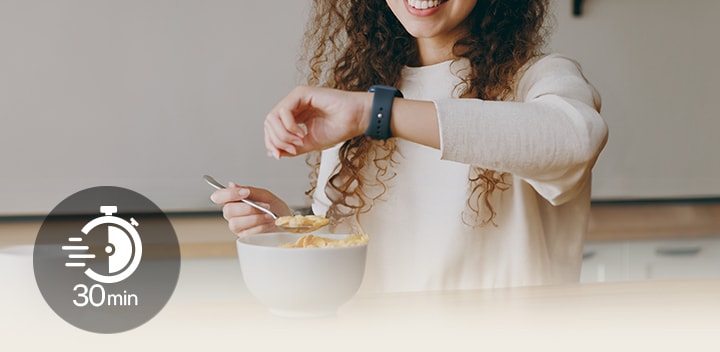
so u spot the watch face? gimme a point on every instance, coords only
(106, 259)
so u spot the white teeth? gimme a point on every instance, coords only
(423, 4)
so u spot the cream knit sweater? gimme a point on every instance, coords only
(547, 139)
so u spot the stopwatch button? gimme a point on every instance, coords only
(108, 209)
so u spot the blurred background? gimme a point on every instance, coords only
(150, 95)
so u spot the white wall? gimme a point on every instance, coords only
(144, 94)
(655, 63)
(151, 94)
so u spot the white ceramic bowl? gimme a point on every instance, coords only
(300, 282)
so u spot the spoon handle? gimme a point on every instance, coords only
(212, 182)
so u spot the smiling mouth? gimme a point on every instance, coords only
(425, 4)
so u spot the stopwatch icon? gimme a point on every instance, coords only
(124, 247)
(97, 270)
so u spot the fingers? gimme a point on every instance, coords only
(293, 128)
(251, 224)
(273, 143)
(238, 209)
(283, 135)
(234, 193)
(330, 116)
(244, 219)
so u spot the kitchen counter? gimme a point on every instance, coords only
(653, 220)
(207, 235)
(212, 310)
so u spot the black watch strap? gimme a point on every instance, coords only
(379, 127)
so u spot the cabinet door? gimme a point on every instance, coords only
(674, 259)
(604, 261)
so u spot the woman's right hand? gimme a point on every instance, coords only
(243, 219)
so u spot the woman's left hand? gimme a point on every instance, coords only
(329, 116)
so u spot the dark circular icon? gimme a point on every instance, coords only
(106, 259)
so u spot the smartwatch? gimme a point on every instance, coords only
(379, 127)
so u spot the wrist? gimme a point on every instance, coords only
(364, 121)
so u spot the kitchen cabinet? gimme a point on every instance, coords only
(651, 259)
(667, 259)
(604, 261)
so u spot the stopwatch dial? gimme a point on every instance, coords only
(119, 249)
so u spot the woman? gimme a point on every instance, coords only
(486, 179)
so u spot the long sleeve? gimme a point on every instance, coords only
(550, 136)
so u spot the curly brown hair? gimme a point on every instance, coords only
(354, 44)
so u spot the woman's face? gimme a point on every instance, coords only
(433, 19)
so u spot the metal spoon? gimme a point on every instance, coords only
(298, 229)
